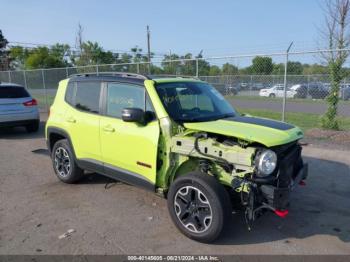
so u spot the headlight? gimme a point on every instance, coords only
(266, 162)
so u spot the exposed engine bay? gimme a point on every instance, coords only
(261, 177)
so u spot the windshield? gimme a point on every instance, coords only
(193, 102)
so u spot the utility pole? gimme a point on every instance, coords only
(149, 49)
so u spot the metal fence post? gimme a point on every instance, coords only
(97, 69)
(67, 73)
(25, 79)
(285, 84)
(10, 80)
(251, 85)
(138, 68)
(197, 68)
(44, 86)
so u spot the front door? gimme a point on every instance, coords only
(129, 150)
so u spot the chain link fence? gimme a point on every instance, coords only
(257, 86)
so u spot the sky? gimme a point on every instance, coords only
(216, 27)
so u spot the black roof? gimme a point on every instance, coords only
(110, 76)
(117, 76)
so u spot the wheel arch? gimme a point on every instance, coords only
(55, 134)
(188, 165)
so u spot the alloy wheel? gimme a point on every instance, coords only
(193, 209)
(62, 162)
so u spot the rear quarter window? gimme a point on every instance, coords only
(70, 93)
(13, 92)
(87, 97)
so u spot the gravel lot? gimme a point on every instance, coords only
(35, 208)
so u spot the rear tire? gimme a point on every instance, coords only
(199, 206)
(272, 95)
(32, 127)
(64, 164)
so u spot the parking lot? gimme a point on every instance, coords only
(114, 218)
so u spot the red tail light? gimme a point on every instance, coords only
(281, 213)
(32, 102)
(302, 183)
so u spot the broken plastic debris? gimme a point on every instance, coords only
(150, 218)
(67, 234)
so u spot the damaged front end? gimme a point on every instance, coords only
(261, 178)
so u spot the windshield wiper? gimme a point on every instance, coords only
(226, 116)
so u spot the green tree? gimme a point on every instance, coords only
(40, 57)
(92, 54)
(315, 69)
(337, 35)
(188, 67)
(4, 61)
(3, 43)
(262, 65)
(18, 56)
(214, 70)
(203, 65)
(229, 69)
(171, 68)
(293, 68)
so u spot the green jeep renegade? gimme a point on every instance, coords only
(179, 138)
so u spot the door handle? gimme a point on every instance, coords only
(108, 129)
(71, 120)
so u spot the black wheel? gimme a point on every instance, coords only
(32, 127)
(64, 163)
(199, 206)
(272, 95)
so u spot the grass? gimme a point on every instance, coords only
(305, 121)
(280, 99)
(42, 101)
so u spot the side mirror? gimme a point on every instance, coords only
(135, 115)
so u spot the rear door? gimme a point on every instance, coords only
(129, 150)
(82, 120)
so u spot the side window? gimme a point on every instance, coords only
(70, 91)
(88, 96)
(120, 96)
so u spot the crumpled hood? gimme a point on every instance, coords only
(261, 130)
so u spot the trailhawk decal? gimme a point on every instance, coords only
(261, 122)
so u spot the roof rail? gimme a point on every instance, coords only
(173, 76)
(119, 74)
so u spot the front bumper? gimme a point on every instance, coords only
(278, 197)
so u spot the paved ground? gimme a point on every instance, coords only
(35, 208)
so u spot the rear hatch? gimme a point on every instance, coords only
(13, 99)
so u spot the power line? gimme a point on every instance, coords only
(29, 45)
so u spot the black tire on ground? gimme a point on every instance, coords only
(199, 206)
(272, 95)
(64, 163)
(32, 127)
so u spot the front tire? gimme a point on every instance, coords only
(272, 95)
(199, 206)
(64, 163)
